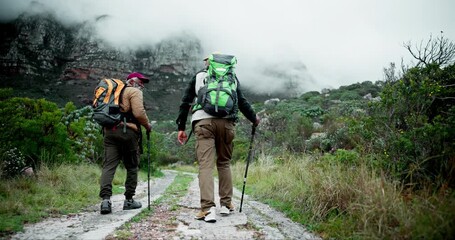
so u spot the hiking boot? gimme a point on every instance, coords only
(226, 210)
(131, 204)
(208, 216)
(106, 206)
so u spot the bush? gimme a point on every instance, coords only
(12, 163)
(6, 93)
(417, 132)
(84, 133)
(34, 126)
(44, 133)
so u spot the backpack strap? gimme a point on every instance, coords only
(118, 91)
(127, 116)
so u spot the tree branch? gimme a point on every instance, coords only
(438, 51)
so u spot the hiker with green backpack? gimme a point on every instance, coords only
(214, 97)
(119, 109)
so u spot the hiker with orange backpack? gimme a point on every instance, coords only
(121, 113)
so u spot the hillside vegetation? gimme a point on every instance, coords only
(368, 160)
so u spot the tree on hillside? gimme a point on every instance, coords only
(439, 51)
(420, 114)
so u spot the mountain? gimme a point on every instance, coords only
(43, 58)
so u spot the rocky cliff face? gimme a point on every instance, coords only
(41, 57)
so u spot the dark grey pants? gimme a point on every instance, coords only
(120, 146)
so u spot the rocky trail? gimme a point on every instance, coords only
(256, 221)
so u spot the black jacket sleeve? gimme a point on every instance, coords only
(244, 106)
(185, 105)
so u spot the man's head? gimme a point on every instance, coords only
(137, 80)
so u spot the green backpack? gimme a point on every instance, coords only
(218, 96)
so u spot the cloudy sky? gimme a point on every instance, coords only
(335, 42)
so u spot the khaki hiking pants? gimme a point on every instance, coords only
(214, 145)
(120, 146)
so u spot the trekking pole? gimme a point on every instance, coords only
(250, 155)
(148, 168)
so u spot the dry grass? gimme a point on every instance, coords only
(347, 201)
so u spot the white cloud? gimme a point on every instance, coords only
(339, 42)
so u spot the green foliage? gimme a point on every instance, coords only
(158, 151)
(417, 126)
(313, 98)
(6, 93)
(346, 157)
(34, 126)
(241, 147)
(165, 150)
(84, 133)
(299, 107)
(53, 191)
(351, 108)
(355, 91)
(289, 130)
(12, 163)
(42, 132)
(349, 95)
(290, 123)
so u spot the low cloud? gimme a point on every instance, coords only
(312, 43)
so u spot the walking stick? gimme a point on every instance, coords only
(250, 155)
(148, 168)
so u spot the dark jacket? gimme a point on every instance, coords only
(190, 94)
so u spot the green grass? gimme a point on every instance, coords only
(53, 191)
(177, 189)
(346, 202)
(185, 168)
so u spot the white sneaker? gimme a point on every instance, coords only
(224, 210)
(211, 217)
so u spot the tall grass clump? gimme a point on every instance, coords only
(343, 200)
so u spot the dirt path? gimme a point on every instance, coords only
(257, 220)
(89, 224)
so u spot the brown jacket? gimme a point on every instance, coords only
(133, 99)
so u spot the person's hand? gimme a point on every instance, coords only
(148, 128)
(258, 120)
(182, 137)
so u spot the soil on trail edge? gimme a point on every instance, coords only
(256, 221)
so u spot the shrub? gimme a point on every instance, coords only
(417, 131)
(12, 163)
(84, 133)
(6, 93)
(34, 126)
